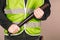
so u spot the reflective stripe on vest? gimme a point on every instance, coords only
(32, 24)
(14, 11)
(17, 11)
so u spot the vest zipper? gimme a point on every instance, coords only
(25, 14)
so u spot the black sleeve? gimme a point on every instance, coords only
(4, 21)
(46, 10)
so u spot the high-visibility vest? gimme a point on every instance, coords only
(16, 11)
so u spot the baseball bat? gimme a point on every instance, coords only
(30, 17)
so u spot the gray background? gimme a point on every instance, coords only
(50, 27)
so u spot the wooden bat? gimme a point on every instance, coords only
(30, 17)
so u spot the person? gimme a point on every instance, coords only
(12, 12)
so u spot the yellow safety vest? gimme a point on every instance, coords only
(16, 11)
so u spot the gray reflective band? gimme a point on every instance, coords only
(14, 11)
(29, 10)
(33, 24)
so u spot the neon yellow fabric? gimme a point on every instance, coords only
(33, 4)
(19, 4)
(16, 17)
(33, 31)
(14, 4)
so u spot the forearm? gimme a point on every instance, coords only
(46, 11)
(4, 21)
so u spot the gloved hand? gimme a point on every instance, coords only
(38, 13)
(13, 29)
